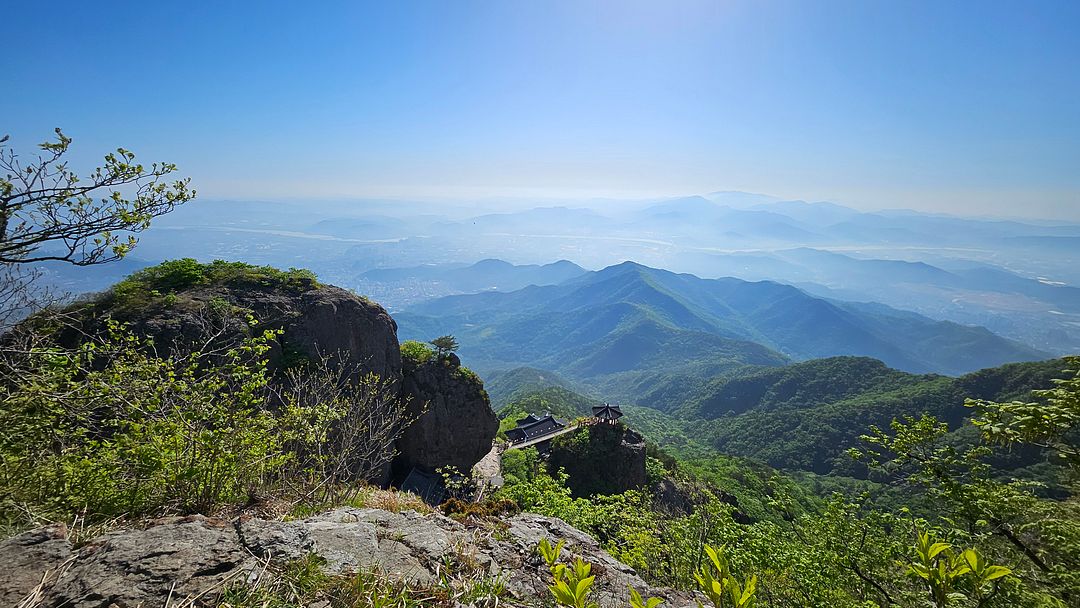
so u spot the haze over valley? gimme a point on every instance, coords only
(1016, 278)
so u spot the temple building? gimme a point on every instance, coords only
(532, 426)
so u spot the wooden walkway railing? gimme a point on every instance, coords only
(542, 438)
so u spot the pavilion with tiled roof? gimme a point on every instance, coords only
(607, 413)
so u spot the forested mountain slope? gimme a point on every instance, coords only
(805, 415)
(631, 318)
(801, 416)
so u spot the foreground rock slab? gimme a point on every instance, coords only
(192, 559)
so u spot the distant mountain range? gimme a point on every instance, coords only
(628, 321)
(396, 287)
(1017, 278)
(1041, 313)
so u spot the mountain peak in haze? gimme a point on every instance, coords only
(621, 312)
(739, 200)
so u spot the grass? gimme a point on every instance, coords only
(303, 582)
(416, 352)
(392, 500)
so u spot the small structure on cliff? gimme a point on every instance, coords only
(532, 427)
(607, 413)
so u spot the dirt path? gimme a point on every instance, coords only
(489, 469)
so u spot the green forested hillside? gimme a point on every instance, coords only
(826, 540)
(557, 400)
(804, 416)
(631, 319)
(809, 382)
(801, 416)
(504, 385)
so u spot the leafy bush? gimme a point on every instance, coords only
(654, 470)
(570, 586)
(158, 283)
(415, 352)
(520, 466)
(717, 582)
(468, 375)
(111, 429)
(172, 275)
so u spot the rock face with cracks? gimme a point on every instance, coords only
(316, 321)
(454, 424)
(600, 459)
(195, 558)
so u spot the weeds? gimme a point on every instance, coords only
(302, 582)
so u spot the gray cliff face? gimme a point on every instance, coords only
(317, 321)
(29, 559)
(600, 459)
(188, 557)
(456, 424)
(332, 320)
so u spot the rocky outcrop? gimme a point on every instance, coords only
(316, 320)
(331, 320)
(199, 557)
(600, 459)
(455, 424)
(671, 499)
(678, 498)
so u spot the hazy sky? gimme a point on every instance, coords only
(948, 106)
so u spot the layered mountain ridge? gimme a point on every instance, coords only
(632, 318)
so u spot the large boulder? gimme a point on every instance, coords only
(184, 558)
(454, 424)
(31, 561)
(331, 320)
(316, 320)
(320, 321)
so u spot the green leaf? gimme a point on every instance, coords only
(583, 586)
(936, 549)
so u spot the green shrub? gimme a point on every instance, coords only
(416, 352)
(520, 466)
(111, 429)
(160, 283)
(173, 275)
(469, 375)
(654, 470)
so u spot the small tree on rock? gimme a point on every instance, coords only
(48, 212)
(444, 345)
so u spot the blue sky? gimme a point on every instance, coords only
(958, 107)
